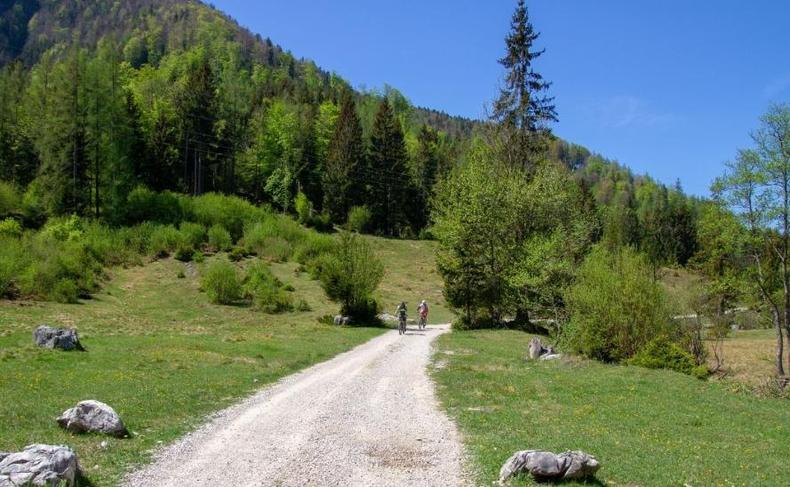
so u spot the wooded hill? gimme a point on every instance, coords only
(99, 97)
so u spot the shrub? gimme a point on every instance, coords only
(237, 254)
(302, 306)
(63, 229)
(231, 212)
(13, 259)
(349, 276)
(143, 205)
(304, 208)
(65, 291)
(218, 238)
(10, 201)
(194, 234)
(181, 274)
(661, 353)
(313, 246)
(198, 257)
(276, 231)
(265, 291)
(10, 228)
(221, 282)
(184, 252)
(359, 218)
(616, 306)
(164, 240)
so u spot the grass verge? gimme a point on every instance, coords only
(159, 353)
(647, 427)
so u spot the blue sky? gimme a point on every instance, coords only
(670, 88)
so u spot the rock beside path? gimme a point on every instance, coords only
(57, 338)
(39, 465)
(93, 417)
(544, 465)
(539, 352)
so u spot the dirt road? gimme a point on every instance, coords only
(366, 417)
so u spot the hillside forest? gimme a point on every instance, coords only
(120, 114)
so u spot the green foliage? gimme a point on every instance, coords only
(616, 307)
(184, 252)
(194, 233)
(65, 291)
(164, 240)
(221, 282)
(231, 212)
(345, 169)
(359, 218)
(13, 259)
(219, 239)
(303, 207)
(143, 205)
(10, 200)
(10, 228)
(265, 291)
(661, 353)
(391, 184)
(350, 275)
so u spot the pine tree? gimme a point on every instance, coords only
(426, 166)
(344, 168)
(523, 109)
(389, 178)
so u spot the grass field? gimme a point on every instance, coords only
(164, 357)
(411, 276)
(159, 353)
(647, 427)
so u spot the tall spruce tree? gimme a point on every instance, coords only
(389, 177)
(523, 109)
(344, 169)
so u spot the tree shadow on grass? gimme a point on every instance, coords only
(593, 481)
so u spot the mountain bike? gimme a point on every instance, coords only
(402, 326)
(423, 321)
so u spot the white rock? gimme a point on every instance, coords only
(92, 417)
(38, 465)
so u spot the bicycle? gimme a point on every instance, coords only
(423, 322)
(402, 326)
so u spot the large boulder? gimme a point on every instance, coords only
(59, 338)
(39, 465)
(93, 417)
(544, 465)
(539, 352)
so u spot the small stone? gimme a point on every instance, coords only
(103, 444)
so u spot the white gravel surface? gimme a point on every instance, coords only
(367, 417)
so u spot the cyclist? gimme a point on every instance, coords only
(423, 310)
(401, 314)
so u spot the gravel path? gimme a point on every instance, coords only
(367, 417)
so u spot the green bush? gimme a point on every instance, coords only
(13, 259)
(231, 212)
(303, 306)
(237, 254)
(275, 237)
(661, 353)
(63, 229)
(221, 282)
(198, 257)
(615, 305)
(350, 274)
(10, 228)
(65, 291)
(194, 233)
(359, 218)
(303, 207)
(265, 291)
(184, 252)
(219, 239)
(144, 205)
(165, 240)
(10, 200)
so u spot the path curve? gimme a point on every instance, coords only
(366, 417)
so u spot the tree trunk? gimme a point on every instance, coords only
(779, 343)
